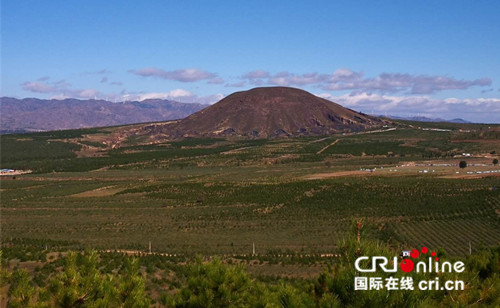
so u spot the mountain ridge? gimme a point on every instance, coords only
(427, 119)
(33, 114)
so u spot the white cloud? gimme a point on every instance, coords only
(179, 95)
(236, 84)
(216, 80)
(474, 109)
(62, 90)
(38, 86)
(209, 99)
(59, 89)
(346, 79)
(99, 72)
(87, 93)
(256, 74)
(59, 97)
(182, 75)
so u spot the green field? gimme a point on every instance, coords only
(215, 196)
(296, 197)
(208, 213)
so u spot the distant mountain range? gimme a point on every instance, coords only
(31, 114)
(426, 119)
(260, 112)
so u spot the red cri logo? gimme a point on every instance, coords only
(407, 265)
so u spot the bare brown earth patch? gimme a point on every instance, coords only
(320, 176)
(477, 140)
(99, 192)
(412, 142)
(470, 176)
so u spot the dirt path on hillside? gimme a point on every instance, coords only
(331, 144)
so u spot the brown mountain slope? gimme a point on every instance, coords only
(272, 112)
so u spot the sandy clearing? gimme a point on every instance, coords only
(99, 192)
(319, 176)
(236, 150)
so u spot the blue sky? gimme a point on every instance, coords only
(434, 58)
